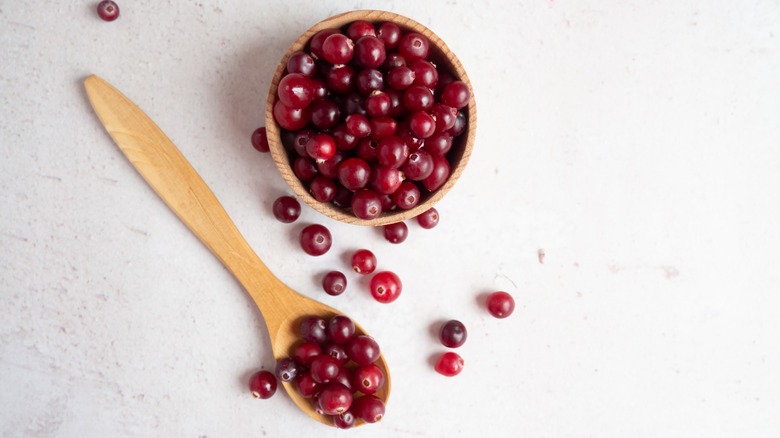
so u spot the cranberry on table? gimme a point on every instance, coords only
(500, 304)
(385, 287)
(449, 364)
(262, 384)
(260, 140)
(108, 10)
(429, 218)
(453, 334)
(368, 408)
(334, 283)
(363, 350)
(315, 240)
(363, 261)
(395, 233)
(286, 209)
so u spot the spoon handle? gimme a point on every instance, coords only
(175, 181)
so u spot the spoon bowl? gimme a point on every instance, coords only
(177, 183)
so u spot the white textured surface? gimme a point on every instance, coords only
(635, 142)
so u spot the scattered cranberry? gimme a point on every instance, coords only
(363, 261)
(453, 334)
(334, 283)
(108, 10)
(395, 233)
(363, 350)
(500, 304)
(385, 287)
(260, 140)
(286, 209)
(262, 384)
(315, 240)
(429, 218)
(368, 408)
(449, 364)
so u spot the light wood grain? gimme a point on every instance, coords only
(458, 156)
(175, 181)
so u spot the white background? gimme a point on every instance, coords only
(635, 142)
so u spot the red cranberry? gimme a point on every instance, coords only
(453, 334)
(378, 104)
(343, 197)
(396, 102)
(295, 90)
(363, 350)
(366, 149)
(345, 374)
(382, 127)
(287, 369)
(315, 44)
(344, 421)
(341, 329)
(449, 364)
(344, 140)
(305, 353)
(341, 79)
(360, 28)
(301, 62)
(369, 408)
(368, 379)
(445, 116)
(456, 94)
(320, 89)
(385, 180)
(108, 10)
(440, 174)
(324, 368)
(395, 233)
(406, 196)
(324, 114)
(260, 140)
(390, 33)
(291, 119)
(363, 261)
(314, 329)
(392, 151)
(304, 168)
(429, 218)
(387, 203)
(338, 49)
(425, 73)
(299, 141)
(286, 209)
(459, 126)
(329, 167)
(418, 166)
(322, 188)
(334, 283)
(351, 103)
(422, 124)
(354, 173)
(358, 125)
(439, 143)
(369, 80)
(500, 304)
(418, 98)
(338, 352)
(262, 384)
(414, 46)
(307, 386)
(400, 78)
(385, 287)
(321, 147)
(334, 399)
(366, 204)
(393, 60)
(369, 52)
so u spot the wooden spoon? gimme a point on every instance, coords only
(170, 175)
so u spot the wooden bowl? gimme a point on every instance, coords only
(458, 156)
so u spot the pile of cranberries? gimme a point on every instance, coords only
(368, 118)
(336, 369)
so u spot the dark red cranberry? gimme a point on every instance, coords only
(449, 364)
(445, 78)
(429, 218)
(291, 119)
(351, 103)
(378, 104)
(363, 350)
(400, 78)
(338, 49)
(382, 127)
(341, 329)
(108, 10)
(368, 379)
(358, 125)
(329, 167)
(418, 166)
(345, 374)
(445, 116)
(414, 46)
(390, 33)
(360, 28)
(459, 126)
(438, 144)
(299, 141)
(366, 204)
(406, 196)
(385, 287)
(307, 387)
(262, 384)
(324, 368)
(287, 369)
(425, 73)
(260, 140)
(334, 283)
(387, 203)
(456, 94)
(418, 98)
(322, 188)
(344, 140)
(500, 304)
(368, 80)
(304, 168)
(301, 62)
(336, 351)
(334, 399)
(315, 44)
(319, 88)
(385, 180)
(314, 329)
(369, 408)
(363, 261)
(321, 147)
(453, 334)
(393, 60)
(440, 174)
(343, 197)
(397, 108)
(295, 90)
(392, 151)
(354, 173)
(366, 149)
(395, 233)
(422, 124)
(286, 209)
(370, 52)
(315, 240)
(345, 420)
(341, 79)
(305, 352)
(324, 114)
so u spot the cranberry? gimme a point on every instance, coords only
(453, 334)
(395, 233)
(418, 166)
(456, 94)
(368, 379)
(314, 329)
(324, 114)
(334, 283)
(299, 141)
(357, 125)
(262, 384)
(369, 79)
(386, 180)
(382, 127)
(425, 73)
(459, 126)
(406, 196)
(500, 304)
(440, 174)
(315, 44)
(363, 350)
(286, 209)
(345, 374)
(306, 385)
(366, 204)
(363, 261)
(392, 151)
(338, 49)
(334, 399)
(390, 33)
(287, 369)
(319, 88)
(378, 104)
(329, 167)
(370, 52)
(369, 408)
(345, 420)
(418, 98)
(439, 143)
(295, 90)
(260, 140)
(344, 140)
(321, 147)
(421, 124)
(366, 149)
(108, 10)
(351, 103)
(414, 46)
(400, 78)
(360, 28)
(343, 197)
(291, 119)
(449, 364)
(304, 168)
(445, 116)
(324, 368)
(341, 79)
(301, 62)
(322, 188)
(387, 203)
(393, 60)
(429, 218)
(385, 287)
(354, 173)
(396, 102)
(305, 352)
(341, 329)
